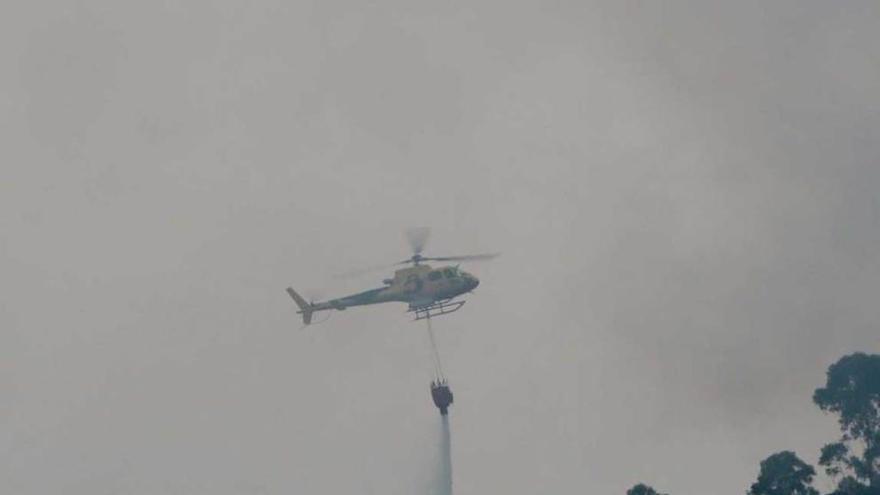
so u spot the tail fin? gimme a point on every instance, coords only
(304, 308)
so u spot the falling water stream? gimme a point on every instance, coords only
(442, 484)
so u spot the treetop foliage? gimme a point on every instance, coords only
(784, 473)
(642, 489)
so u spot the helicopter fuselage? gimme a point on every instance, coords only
(419, 286)
(428, 291)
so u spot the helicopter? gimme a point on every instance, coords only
(429, 291)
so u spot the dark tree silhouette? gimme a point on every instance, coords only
(850, 486)
(642, 489)
(852, 391)
(783, 473)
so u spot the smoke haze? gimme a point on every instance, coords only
(684, 193)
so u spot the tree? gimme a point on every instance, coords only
(850, 486)
(642, 489)
(783, 473)
(852, 391)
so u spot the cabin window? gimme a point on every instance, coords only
(450, 273)
(434, 276)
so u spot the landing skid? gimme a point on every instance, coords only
(437, 308)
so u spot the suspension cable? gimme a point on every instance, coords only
(438, 368)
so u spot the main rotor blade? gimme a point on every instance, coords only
(418, 238)
(469, 257)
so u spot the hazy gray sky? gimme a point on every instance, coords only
(685, 194)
